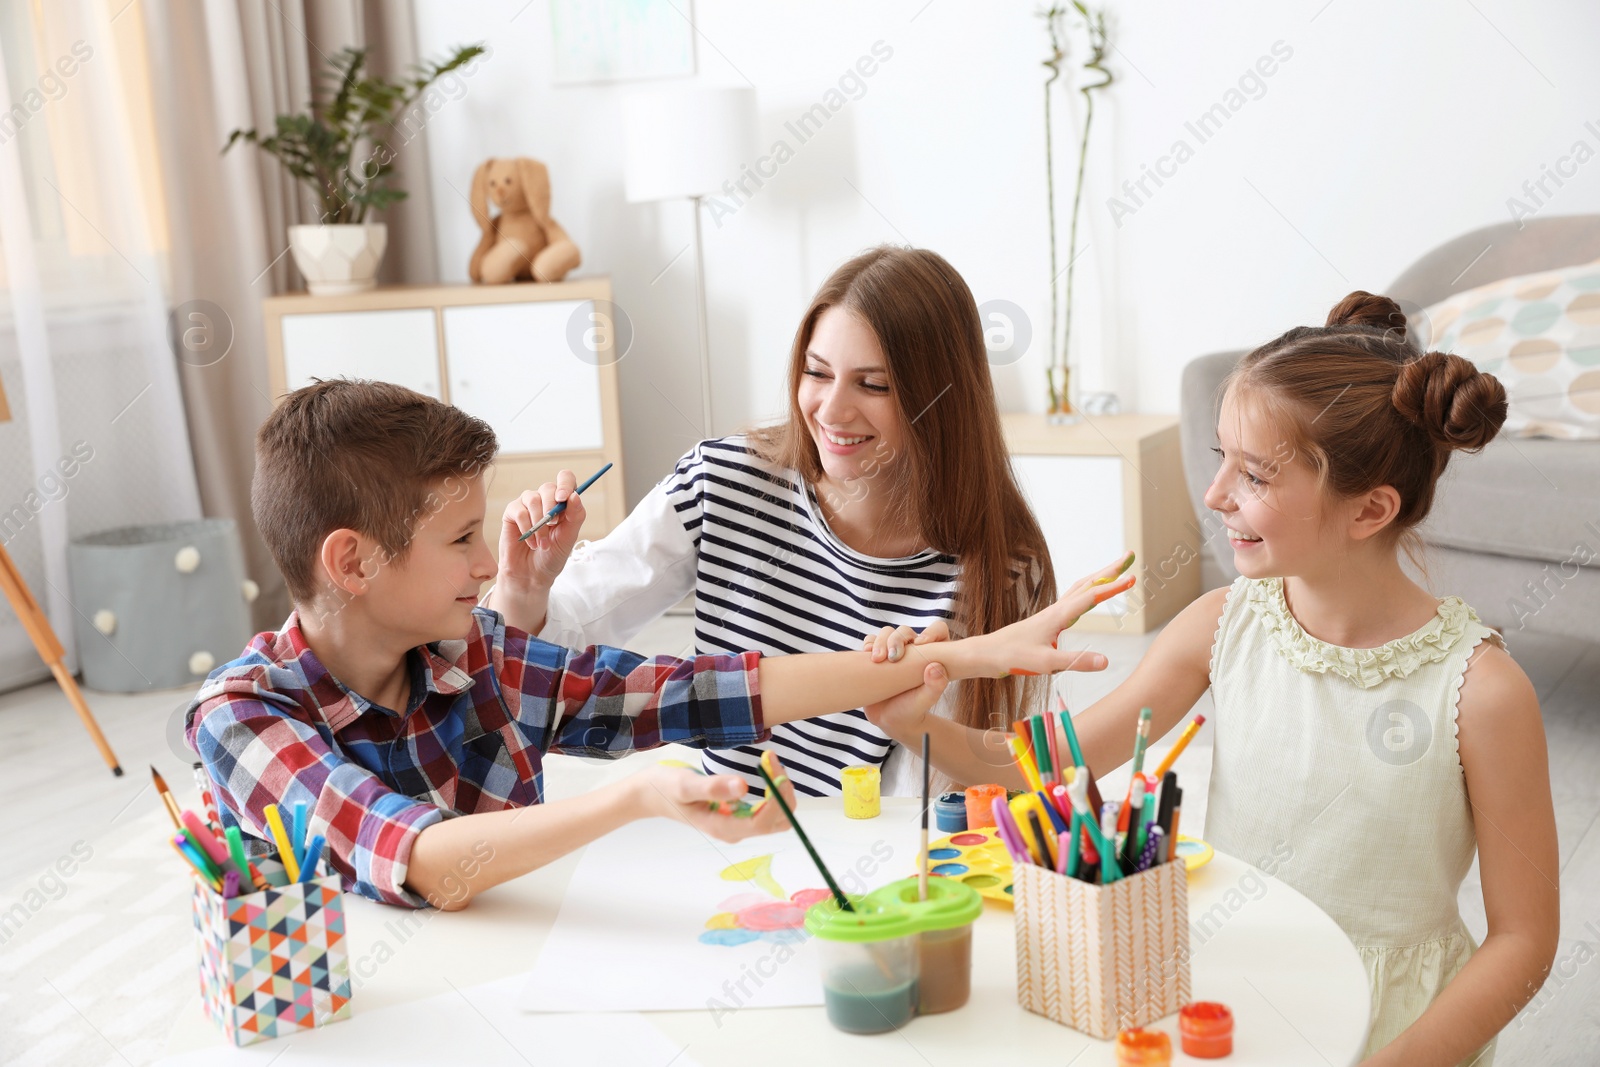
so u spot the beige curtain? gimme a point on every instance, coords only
(231, 64)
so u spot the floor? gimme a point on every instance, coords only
(95, 960)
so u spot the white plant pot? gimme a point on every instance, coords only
(340, 258)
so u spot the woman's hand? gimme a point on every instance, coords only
(890, 642)
(534, 564)
(683, 794)
(1029, 646)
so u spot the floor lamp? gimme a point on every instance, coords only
(685, 142)
(44, 637)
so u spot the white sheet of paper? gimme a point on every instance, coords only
(479, 1025)
(628, 934)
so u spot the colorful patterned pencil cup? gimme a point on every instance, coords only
(1102, 958)
(273, 962)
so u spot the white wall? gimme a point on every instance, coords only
(1388, 129)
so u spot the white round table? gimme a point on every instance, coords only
(1292, 979)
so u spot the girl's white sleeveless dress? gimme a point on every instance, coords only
(1345, 759)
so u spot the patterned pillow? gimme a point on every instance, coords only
(1540, 335)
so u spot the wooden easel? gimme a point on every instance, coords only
(44, 637)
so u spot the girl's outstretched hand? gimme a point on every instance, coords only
(1029, 646)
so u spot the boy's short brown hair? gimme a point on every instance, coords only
(359, 455)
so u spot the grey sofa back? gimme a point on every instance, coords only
(1473, 259)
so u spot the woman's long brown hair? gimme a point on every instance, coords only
(954, 484)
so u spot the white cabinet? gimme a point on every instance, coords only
(399, 346)
(511, 365)
(508, 354)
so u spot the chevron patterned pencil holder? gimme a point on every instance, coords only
(1102, 958)
(273, 962)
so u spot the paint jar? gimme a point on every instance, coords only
(1206, 1028)
(950, 812)
(869, 964)
(1143, 1048)
(980, 805)
(860, 787)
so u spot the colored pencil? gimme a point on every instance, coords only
(1179, 745)
(1141, 740)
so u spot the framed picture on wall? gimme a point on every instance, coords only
(598, 41)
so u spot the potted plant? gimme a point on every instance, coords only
(340, 150)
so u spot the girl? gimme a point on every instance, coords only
(885, 497)
(1370, 732)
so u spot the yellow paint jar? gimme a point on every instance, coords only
(860, 784)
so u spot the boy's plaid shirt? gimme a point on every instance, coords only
(274, 727)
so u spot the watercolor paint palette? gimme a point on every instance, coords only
(976, 858)
(979, 859)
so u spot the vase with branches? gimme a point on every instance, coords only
(1058, 369)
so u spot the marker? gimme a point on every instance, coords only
(1130, 808)
(1178, 747)
(1147, 816)
(1007, 831)
(1078, 790)
(1047, 858)
(1071, 867)
(298, 833)
(1030, 774)
(230, 883)
(1041, 749)
(1109, 871)
(308, 870)
(203, 838)
(241, 861)
(1077, 752)
(280, 835)
(181, 847)
(550, 516)
(1150, 855)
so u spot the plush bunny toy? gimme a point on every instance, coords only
(523, 241)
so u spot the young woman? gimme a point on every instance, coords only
(883, 504)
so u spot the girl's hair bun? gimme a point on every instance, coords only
(1446, 396)
(1362, 308)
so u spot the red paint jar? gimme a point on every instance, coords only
(1207, 1029)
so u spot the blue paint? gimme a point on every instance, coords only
(950, 812)
(949, 869)
(729, 937)
(943, 853)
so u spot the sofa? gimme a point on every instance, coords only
(1515, 529)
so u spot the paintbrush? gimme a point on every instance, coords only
(822, 868)
(927, 781)
(166, 797)
(550, 516)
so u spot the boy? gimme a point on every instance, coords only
(413, 723)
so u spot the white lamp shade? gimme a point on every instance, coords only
(685, 140)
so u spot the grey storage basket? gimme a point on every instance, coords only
(158, 606)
